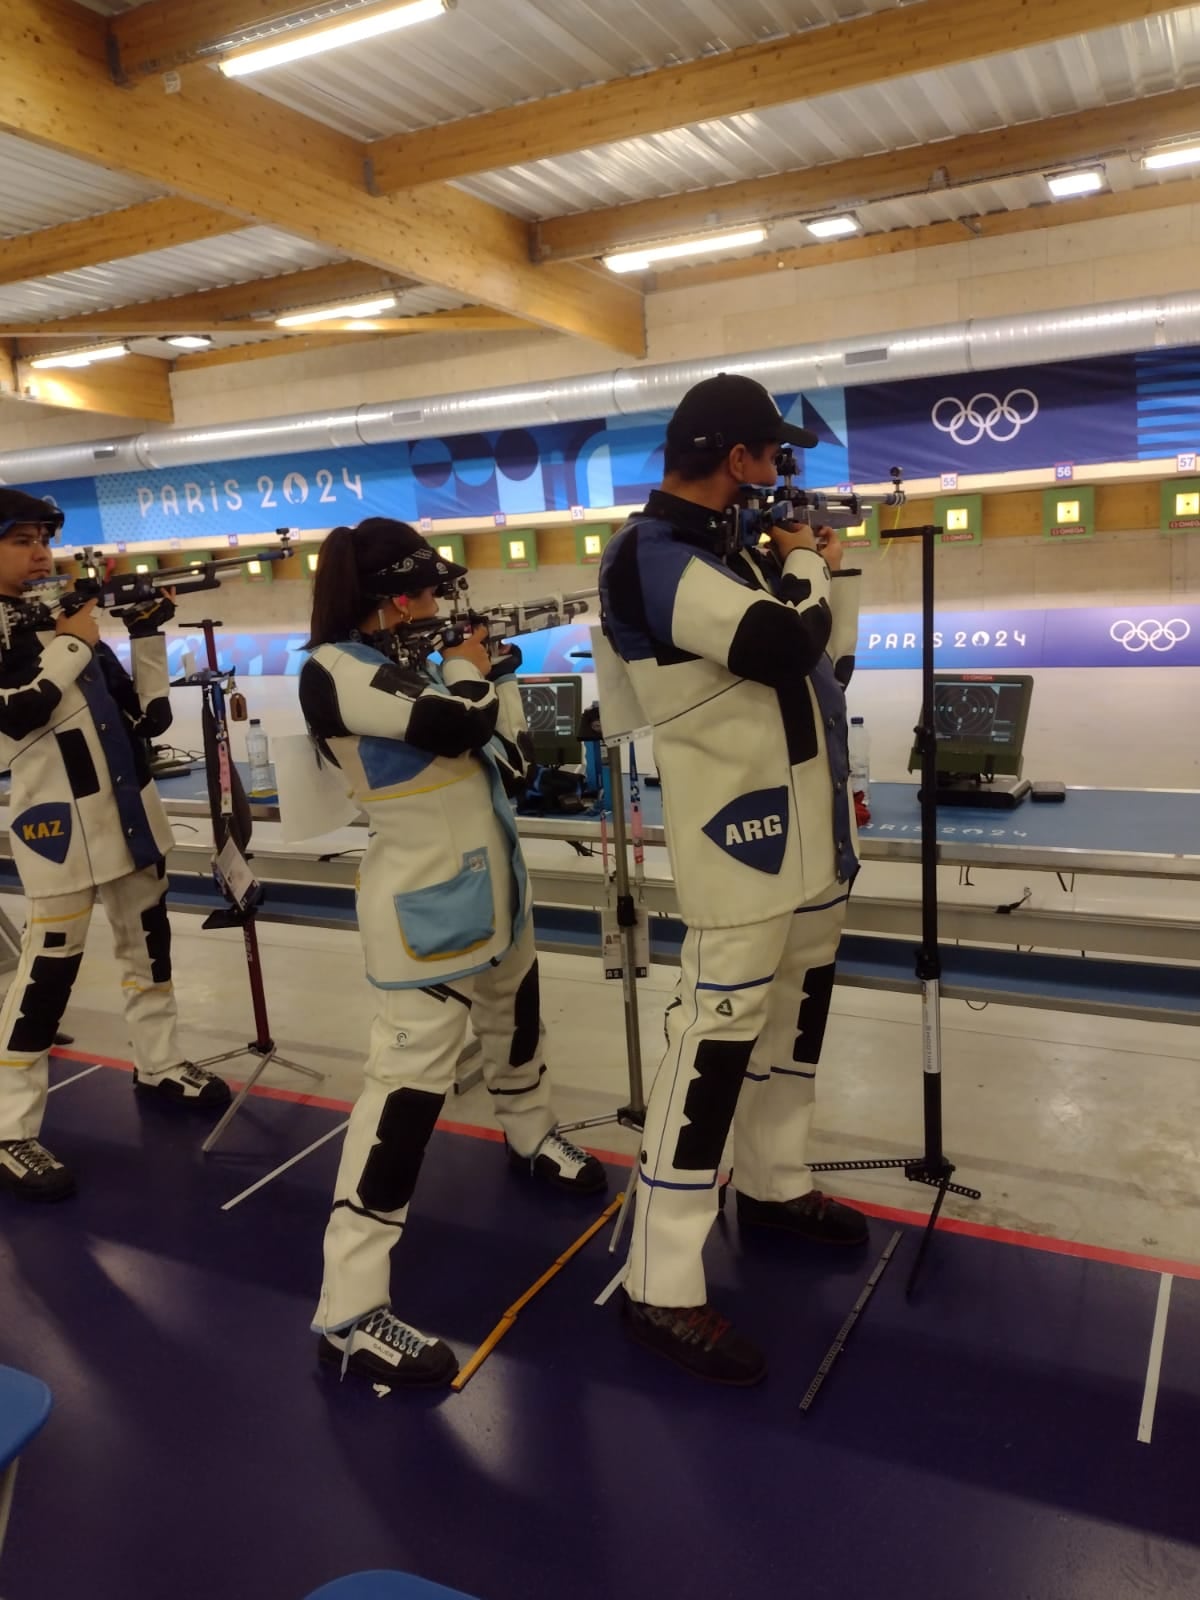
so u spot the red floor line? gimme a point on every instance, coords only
(970, 1230)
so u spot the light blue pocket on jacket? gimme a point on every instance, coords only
(452, 918)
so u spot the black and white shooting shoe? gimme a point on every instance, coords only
(382, 1349)
(28, 1169)
(564, 1165)
(185, 1084)
(813, 1216)
(697, 1338)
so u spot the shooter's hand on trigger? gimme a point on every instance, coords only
(789, 536)
(506, 660)
(831, 547)
(81, 624)
(472, 649)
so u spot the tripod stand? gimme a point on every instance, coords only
(932, 1166)
(231, 825)
(633, 1114)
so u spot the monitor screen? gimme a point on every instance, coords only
(980, 719)
(553, 710)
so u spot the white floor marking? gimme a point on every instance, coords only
(262, 1182)
(1154, 1365)
(75, 1077)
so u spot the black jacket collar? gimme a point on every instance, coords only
(692, 524)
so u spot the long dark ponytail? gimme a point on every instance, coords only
(358, 566)
(339, 604)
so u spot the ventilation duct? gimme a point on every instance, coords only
(976, 346)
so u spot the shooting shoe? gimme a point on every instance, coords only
(812, 1216)
(696, 1338)
(382, 1349)
(562, 1164)
(185, 1085)
(29, 1170)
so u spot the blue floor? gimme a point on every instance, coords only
(980, 1441)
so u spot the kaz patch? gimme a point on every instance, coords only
(753, 829)
(45, 829)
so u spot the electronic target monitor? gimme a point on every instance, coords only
(980, 720)
(554, 710)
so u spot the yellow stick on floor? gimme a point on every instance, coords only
(510, 1316)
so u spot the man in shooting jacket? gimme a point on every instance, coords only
(739, 664)
(84, 820)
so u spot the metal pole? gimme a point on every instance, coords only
(929, 961)
(627, 921)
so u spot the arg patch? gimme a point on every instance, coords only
(753, 829)
(45, 829)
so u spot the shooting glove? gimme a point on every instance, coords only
(145, 617)
(506, 665)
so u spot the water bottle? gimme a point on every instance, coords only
(860, 761)
(262, 780)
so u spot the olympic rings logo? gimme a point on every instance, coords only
(968, 421)
(1151, 634)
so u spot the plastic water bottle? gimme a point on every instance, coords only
(262, 780)
(860, 761)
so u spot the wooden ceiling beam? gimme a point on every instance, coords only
(133, 231)
(295, 344)
(268, 350)
(206, 310)
(136, 386)
(894, 174)
(820, 61)
(137, 324)
(166, 34)
(998, 224)
(221, 144)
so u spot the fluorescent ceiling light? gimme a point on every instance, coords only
(1085, 180)
(1179, 155)
(833, 227)
(190, 341)
(79, 358)
(313, 42)
(361, 308)
(639, 260)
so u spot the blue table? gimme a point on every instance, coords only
(1152, 833)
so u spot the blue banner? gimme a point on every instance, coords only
(1168, 403)
(1004, 421)
(1120, 408)
(1015, 640)
(513, 472)
(1018, 640)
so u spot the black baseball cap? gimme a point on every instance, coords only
(392, 558)
(731, 409)
(18, 508)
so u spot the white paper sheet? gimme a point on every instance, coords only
(312, 793)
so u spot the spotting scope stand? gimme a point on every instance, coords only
(931, 1167)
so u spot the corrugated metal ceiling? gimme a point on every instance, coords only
(1102, 68)
(491, 53)
(975, 200)
(39, 188)
(233, 258)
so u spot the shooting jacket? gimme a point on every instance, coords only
(83, 809)
(740, 670)
(431, 757)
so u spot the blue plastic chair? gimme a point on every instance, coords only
(385, 1586)
(24, 1406)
